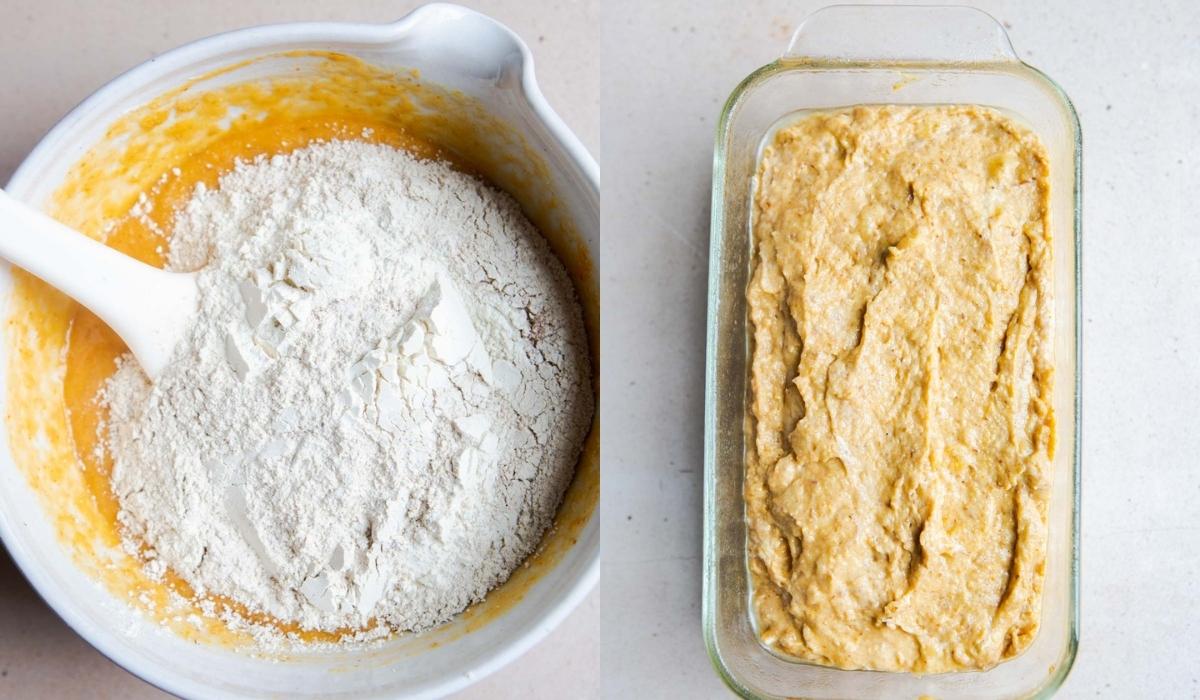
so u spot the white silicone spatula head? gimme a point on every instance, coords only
(149, 308)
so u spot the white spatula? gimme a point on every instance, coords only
(149, 308)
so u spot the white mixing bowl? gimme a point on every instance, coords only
(450, 46)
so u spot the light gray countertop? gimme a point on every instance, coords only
(1133, 71)
(53, 54)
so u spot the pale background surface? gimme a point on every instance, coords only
(53, 54)
(1134, 75)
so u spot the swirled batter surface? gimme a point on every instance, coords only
(902, 429)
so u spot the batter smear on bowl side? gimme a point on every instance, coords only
(376, 414)
(901, 375)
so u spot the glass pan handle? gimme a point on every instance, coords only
(899, 33)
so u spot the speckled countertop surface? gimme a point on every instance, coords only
(53, 54)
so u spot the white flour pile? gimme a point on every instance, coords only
(380, 405)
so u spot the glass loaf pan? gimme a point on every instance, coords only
(842, 56)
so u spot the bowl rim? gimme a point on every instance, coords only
(264, 37)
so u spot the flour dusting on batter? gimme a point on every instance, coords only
(376, 414)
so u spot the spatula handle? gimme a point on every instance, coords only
(142, 303)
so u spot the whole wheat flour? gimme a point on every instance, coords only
(379, 407)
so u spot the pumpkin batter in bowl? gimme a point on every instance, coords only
(156, 156)
(901, 428)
